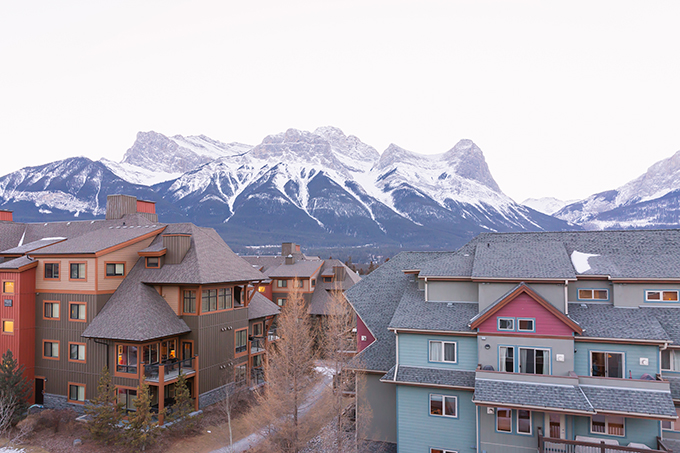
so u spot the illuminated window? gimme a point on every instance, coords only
(127, 359)
(261, 289)
(7, 326)
(8, 287)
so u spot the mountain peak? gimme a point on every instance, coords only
(468, 161)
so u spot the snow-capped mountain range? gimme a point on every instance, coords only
(316, 188)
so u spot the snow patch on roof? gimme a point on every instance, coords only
(580, 261)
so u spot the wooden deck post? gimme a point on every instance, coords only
(196, 383)
(161, 393)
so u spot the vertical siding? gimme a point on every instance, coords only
(526, 307)
(637, 430)
(128, 255)
(414, 351)
(178, 246)
(632, 356)
(417, 430)
(119, 205)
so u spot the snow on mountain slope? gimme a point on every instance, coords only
(547, 205)
(138, 175)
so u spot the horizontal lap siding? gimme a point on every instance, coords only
(493, 441)
(637, 430)
(418, 431)
(414, 351)
(64, 284)
(376, 409)
(128, 255)
(633, 353)
(526, 307)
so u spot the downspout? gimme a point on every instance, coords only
(427, 298)
(107, 349)
(566, 297)
(396, 368)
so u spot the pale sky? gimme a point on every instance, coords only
(565, 99)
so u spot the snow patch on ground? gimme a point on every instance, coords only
(580, 261)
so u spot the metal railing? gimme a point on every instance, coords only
(557, 445)
(170, 368)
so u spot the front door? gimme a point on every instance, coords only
(556, 425)
(39, 387)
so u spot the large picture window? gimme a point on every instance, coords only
(661, 295)
(606, 364)
(443, 405)
(126, 359)
(534, 361)
(442, 351)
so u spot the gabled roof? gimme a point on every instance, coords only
(209, 260)
(135, 312)
(511, 295)
(31, 246)
(101, 240)
(630, 401)
(431, 376)
(20, 264)
(608, 321)
(261, 307)
(523, 261)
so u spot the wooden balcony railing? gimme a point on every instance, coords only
(169, 370)
(557, 445)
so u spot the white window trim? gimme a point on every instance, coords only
(672, 353)
(531, 424)
(496, 421)
(661, 300)
(533, 325)
(592, 294)
(519, 359)
(433, 449)
(498, 325)
(606, 428)
(623, 362)
(455, 351)
(444, 397)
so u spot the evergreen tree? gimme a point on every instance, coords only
(105, 411)
(15, 389)
(142, 429)
(184, 405)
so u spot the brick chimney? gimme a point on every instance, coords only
(6, 216)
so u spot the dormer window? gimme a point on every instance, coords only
(152, 261)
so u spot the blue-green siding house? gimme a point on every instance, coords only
(524, 342)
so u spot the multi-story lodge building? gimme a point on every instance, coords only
(146, 299)
(524, 342)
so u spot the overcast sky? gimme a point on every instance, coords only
(565, 99)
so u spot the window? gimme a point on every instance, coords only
(76, 393)
(257, 329)
(51, 310)
(77, 311)
(661, 296)
(282, 283)
(240, 374)
(257, 360)
(670, 360)
(523, 422)
(50, 349)
(441, 450)
(7, 326)
(209, 300)
(526, 324)
(127, 397)
(300, 283)
(442, 351)
(261, 289)
(8, 287)
(126, 361)
(52, 270)
(445, 406)
(223, 298)
(76, 352)
(506, 357)
(606, 364)
(115, 269)
(77, 271)
(593, 294)
(150, 353)
(240, 341)
(503, 420)
(152, 261)
(281, 302)
(328, 279)
(313, 282)
(189, 302)
(670, 424)
(168, 350)
(534, 361)
(506, 323)
(608, 424)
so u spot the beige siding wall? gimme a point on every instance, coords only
(64, 284)
(171, 294)
(127, 255)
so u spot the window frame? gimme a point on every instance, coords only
(514, 358)
(623, 363)
(592, 297)
(674, 424)
(606, 426)
(671, 359)
(245, 347)
(78, 279)
(70, 304)
(443, 351)
(505, 318)
(661, 299)
(52, 263)
(441, 450)
(281, 301)
(4, 288)
(184, 301)
(7, 332)
(126, 391)
(76, 384)
(51, 302)
(443, 403)
(533, 325)
(114, 275)
(42, 353)
(531, 423)
(498, 409)
(138, 366)
(261, 329)
(281, 283)
(519, 360)
(158, 262)
(84, 346)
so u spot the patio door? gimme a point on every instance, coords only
(555, 425)
(187, 350)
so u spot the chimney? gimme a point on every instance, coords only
(290, 259)
(287, 248)
(178, 245)
(6, 215)
(339, 272)
(119, 205)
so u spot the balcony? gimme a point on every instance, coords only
(256, 377)
(256, 345)
(169, 370)
(591, 445)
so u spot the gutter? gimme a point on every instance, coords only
(396, 367)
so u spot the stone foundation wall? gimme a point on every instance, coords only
(51, 401)
(215, 395)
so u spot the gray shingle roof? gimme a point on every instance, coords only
(11, 234)
(608, 321)
(261, 307)
(414, 313)
(17, 263)
(300, 269)
(675, 386)
(265, 263)
(31, 246)
(209, 260)
(375, 299)
(499, 393)
(630, 400)
(522, 260)
(135, 312)
(432, 376)
(668, 318)
(101, 239)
